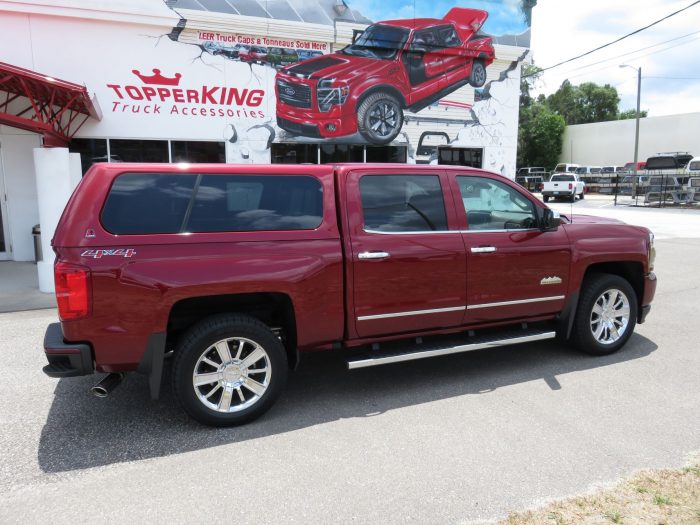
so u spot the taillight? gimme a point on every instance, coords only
(571, 186)
(72, 290)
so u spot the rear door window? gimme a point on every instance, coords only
(402, 203)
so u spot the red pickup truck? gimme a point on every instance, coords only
(394, 65)
(233, 270)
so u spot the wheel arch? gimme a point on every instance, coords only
(274, 309)
(385, 88)
(631, 271)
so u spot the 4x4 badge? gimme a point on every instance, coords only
(551, 280)
(118, 252)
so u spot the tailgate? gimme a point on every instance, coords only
(468, 21)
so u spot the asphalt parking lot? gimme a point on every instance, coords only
(446, 440)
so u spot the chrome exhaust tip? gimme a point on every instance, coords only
(107, 384)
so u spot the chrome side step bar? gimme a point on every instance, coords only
(478, 344)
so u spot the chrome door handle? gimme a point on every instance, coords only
(373, 255)
(483, 249)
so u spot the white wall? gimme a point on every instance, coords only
(612, 143)
(22, 209)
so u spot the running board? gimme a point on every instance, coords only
(434, 350)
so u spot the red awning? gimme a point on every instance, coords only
(42, 104)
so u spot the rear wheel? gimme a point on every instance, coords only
(606, 314)
(228, 370)
(545, 198)
(379, 118)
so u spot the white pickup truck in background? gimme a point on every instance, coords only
(563, 186)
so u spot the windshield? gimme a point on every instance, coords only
(694, 166)
(567, 178)
(378, 41)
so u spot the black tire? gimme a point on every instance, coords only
(545, 198)
(383, 112)
(477, 75)
(572, 197)
(592, 290)
(581, 196)
(197, 344)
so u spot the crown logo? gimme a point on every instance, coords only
(157, 78)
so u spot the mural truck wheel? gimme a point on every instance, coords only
(477, 77)
(379, 118)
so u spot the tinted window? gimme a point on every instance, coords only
(402, 203)
(127, 150)
(198, 151)
(228, 203)
(694, 166)
(560, 178)
(147, 203)
(492, 205)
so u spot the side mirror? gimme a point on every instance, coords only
(550, 220)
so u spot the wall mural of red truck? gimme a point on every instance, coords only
(392, 66)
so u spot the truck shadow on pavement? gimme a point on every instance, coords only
(83, 431)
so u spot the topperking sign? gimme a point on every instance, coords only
(160, 93)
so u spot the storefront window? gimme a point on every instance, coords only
(341, 153)
(197, 151)
(471, 157)
(127, 150)
(294, 153)
(91, 151)
(386, 154)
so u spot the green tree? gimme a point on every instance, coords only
(539, 137)
(540, 130)
(585, 103)
(632, 113)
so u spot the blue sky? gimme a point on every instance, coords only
(505, 16)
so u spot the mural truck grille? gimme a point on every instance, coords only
(297, 95)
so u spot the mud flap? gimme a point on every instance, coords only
(151, 364)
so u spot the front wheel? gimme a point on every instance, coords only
(229, 369)
(477, 76)
(379, 118)
(606, 315)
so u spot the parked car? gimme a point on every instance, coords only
(563, 186)
(235, 50)
(253, 54)
(234, 270)
(214, 48)
(305, 54)
(532, 183)
(392, 66)
(277, 56)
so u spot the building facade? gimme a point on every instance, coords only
(261, 81)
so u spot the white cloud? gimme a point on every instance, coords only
(561, 30)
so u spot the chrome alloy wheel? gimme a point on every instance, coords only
(232, 374)
(383, 119)
(610, 316)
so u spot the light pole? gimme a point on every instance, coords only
(636, 130)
